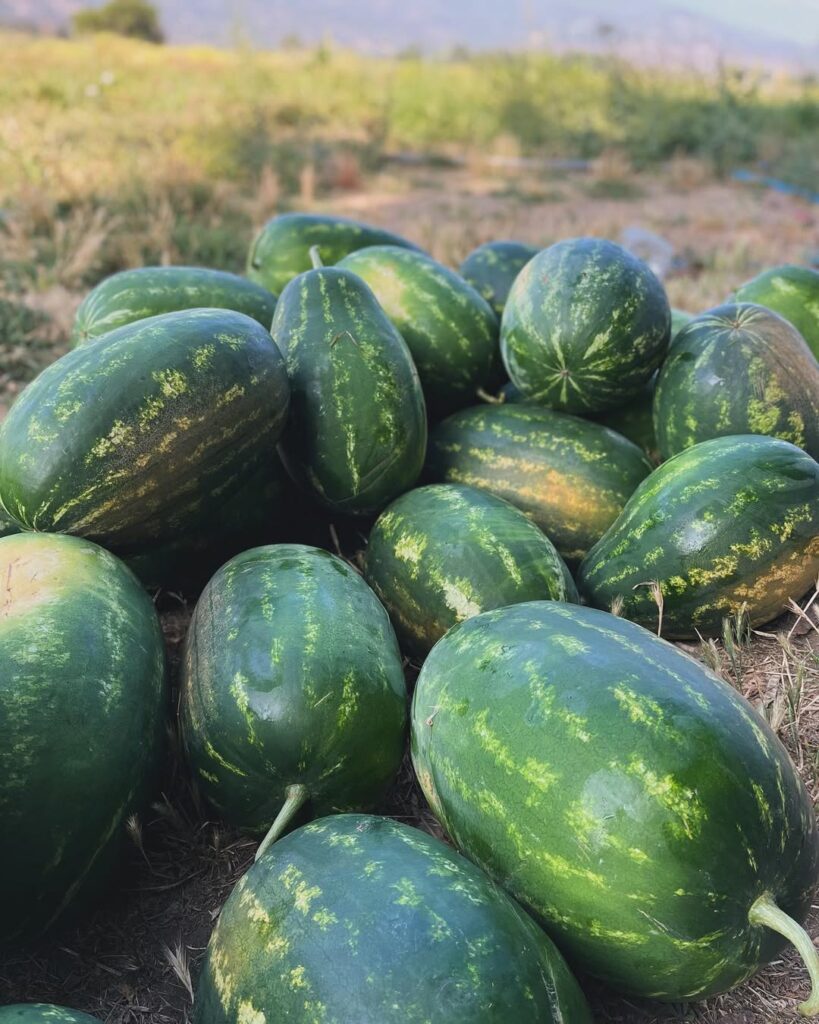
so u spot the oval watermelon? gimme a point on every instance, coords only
(293, 689)
(451, 331)
(148, 291)
(281, 250)
(358, 919)
(357, 433)
(737, 369)
(630, 798)
(132, 440)
(793, 292)
(82, 702)
(585, 326)
(442, 553)
(731, 523)
(568, 475)
(491, 269)
(43, 1013)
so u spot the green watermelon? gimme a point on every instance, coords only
(134, 439)
(492, 268)
(7, 524)
(631, 799)
(82, 702)
(43, 1013)
(357, 432)
(281, 250)
(737, 369)
(293, 689)
(635, 420)
(568, 475)
(451, 330)
(442, 553)
(791, 291)
(362, 920)
(585, 326)
(148, 291)
(679, 318)
(728, 524)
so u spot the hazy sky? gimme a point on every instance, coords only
(792, 19)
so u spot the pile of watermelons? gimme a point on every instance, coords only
(616, 803)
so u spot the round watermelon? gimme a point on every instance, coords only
(362, 919)
(442, 553)
(631, 799)
(585, 326)
(82, 702)
(793, 292)
(492, 268)
(737, 369)
(293, 688)
(43, 1013)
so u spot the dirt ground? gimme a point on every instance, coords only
(135, 959)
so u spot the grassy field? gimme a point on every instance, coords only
(114, 154)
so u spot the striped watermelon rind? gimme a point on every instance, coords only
(635, 802)
(728, 524)
(133, 295)
(359, 918)
(444, 552)
(585, 326)
(792, 292)
(491, 269)
(82, 701)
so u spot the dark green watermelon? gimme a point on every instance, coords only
(737, 369)
(357, 432)
(635, 420)
(585, 326)
(442, 553)
(43, 1013)
(492, 268)
(7, 524)
(293, 689)
(679, 318)
(451, 331)
(568, 475)
(148, 291)
(793, 292)
(635, 802)
(730, 523)
(281, 250)
(82, 707)
(362, 920)
(136, 438)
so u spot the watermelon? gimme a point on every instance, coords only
(451, 330)
(357, 433)
(293, 689)
(148, 291)
(492, 268)
(728, 524)
(442, 553)
(362, 919)
(585, 326)
(636, 421)
(43, 1013)
(281, 250)
(737, 369)
(568, 475)
(7, 524)
(134, 439)
(628, 797)
(793, 292)
(82, 702)
(679, 318)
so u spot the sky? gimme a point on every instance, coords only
(797, 20)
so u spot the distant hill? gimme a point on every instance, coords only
(644, 31)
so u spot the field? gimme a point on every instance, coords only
(113, 154)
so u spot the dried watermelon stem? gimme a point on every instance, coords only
(295, 798)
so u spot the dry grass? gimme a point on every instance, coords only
(137, 957)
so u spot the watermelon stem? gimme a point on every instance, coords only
(315, 257)
(765, 912)
(295, 797)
